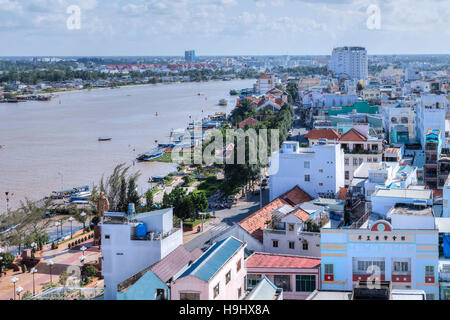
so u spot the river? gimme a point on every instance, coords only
(54, 145)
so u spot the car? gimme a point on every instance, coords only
(204, 248)
(46, 215)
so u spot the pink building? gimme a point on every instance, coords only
(219, 274)
(297, 276)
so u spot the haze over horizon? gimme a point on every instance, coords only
(222, 27)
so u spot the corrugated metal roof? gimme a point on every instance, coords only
(148, 214)
(213, 259)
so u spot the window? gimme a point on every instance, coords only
(282, 281)
(429, 271)
(305, 245)
(216, 290)
(291, 245)
(355, 161)
(347, 175)
(228, 277)
(361, 160)
(275, 243)
(291, 227)
(107, 236)
(320, 184)
(305, 283)
(252, 280)
(329, 268)
(346, 162)
(238, 267)
(320, 170)
(189, 296)
(239, 292)
(364, 265)
(306, 164)
(430, 296)
(307, 178)
(401, 266)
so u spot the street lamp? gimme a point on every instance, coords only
(83, 215)
(83, 249)
(202, 214)
(82, 260)
(14, 280)
(19, 290)
(71, 233)
(33, 271)
(57, 223)
(50, 264)
(33, 249)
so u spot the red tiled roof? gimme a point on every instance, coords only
(295, 196)
(264, 76)
(353, 135)
(316, 134)
(342, 194)
(249, 121)
(269, 260)
(255, 223)
(301, 214)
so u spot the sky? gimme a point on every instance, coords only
(222, 27)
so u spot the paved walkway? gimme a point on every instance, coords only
(62, 258)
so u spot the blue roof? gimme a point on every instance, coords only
(264, 290)
(212, 260)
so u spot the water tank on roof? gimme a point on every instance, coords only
(141, 230)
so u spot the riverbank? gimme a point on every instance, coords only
(62, 134)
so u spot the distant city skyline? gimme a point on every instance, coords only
(222, 27)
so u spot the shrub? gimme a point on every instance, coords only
(24, 268)
(8, 259)
(54, 246)
(68, 245)
(85, 238)
(91, 271)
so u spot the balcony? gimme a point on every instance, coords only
(275, 231)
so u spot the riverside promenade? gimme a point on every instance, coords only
(62, 259)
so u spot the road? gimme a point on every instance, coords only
(226, 218)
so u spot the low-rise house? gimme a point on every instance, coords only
(153, 283)
(219, 274)
(131, 243)
(251, 228)
(384, 199)
(298, 276)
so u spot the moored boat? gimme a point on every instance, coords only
(150, 155)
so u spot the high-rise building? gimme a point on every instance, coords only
(351, 61)
(189, 56)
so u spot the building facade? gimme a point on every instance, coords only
(351, 61)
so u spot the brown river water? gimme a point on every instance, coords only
(54, 145)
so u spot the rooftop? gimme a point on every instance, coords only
(403, 193)
(330, 295)
(214, 259)
(264, 290)
(269, 260)
(411, 210)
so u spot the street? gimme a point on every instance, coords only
(225, 219)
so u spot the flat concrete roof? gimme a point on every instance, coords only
(412, 210)
(403, 193)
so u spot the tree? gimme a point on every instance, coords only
(149, 200)
(123, 201)
(91, 271)
(7, 259)
(199, 201)
(132, 195)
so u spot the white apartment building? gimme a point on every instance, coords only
(357, 145)
(351, 61)
(134, 242)
(318, 170)
(328, 100)
(430, 114)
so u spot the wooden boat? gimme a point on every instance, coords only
(104, 139)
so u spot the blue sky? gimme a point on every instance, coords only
(221, 27)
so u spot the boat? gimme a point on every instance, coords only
(223, 102)
(69, 192)
(104, 139)
(150, 155)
